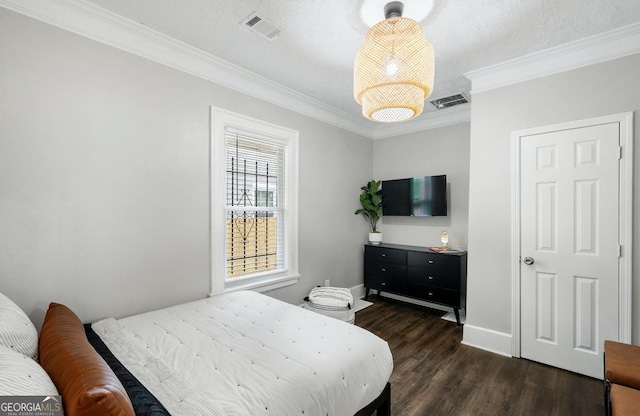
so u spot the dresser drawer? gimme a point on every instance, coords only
(434, 277)
(383, 254)
(435, 294)
(385, 284)
(429, 260)
(391, 270)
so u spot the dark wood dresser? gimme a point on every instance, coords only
(418, 273)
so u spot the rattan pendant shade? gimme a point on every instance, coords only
(393, 72)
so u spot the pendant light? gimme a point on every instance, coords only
(393, 72)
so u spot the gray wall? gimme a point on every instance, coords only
(443, 150)
(104, 179)
(597, 90)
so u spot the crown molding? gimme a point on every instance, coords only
(595, 49)
(91, 21)
(101, 25)
(454, 115)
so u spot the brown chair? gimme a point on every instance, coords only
(621, 379)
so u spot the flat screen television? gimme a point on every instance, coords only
(415, 197)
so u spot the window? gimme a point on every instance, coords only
(253, 203)
(254, 177)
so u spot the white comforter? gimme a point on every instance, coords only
(244, 353)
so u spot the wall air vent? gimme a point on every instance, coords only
(450, 101)
(262, 26)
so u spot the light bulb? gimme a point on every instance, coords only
(392, 68)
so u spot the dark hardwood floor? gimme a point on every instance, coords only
(434, 374)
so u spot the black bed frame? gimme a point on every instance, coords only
(381, 404)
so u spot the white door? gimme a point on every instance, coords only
(569, 229)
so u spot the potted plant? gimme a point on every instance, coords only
(371, 201)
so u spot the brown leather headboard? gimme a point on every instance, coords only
(85, 381)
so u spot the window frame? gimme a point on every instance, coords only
(221, 119)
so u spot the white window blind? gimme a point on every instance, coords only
(255, 206)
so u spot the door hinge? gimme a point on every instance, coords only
(619, 250)
(619, 152)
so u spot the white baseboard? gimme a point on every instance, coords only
(414, 301)
(487, 339)
(357, 291)
(473, 336)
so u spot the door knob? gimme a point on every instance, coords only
(528, 261)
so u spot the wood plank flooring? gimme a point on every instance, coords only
(434, 374)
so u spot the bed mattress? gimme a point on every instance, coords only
(243, 353)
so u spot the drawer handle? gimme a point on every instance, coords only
(384, 284)
(430, 261)
(384, 255)
(384, 270)
(430, 293)
(430, 277)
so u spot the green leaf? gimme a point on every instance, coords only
(371, 201)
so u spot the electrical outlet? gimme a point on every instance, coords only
(327, 283)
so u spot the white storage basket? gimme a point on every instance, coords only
(335, 302)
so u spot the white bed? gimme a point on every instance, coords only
(244, 353)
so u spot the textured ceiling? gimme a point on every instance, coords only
(315, 53)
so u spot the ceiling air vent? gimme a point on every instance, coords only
(262, 26)
(450, 101)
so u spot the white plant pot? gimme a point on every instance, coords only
(375, 238)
